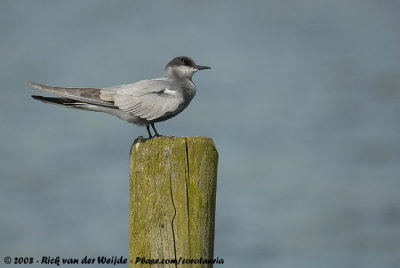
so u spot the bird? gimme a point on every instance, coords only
(143, 103)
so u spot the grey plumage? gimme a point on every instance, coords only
(144, 103)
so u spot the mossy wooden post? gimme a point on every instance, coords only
(172, 200)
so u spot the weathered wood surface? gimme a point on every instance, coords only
(172, 199)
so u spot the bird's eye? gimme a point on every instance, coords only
(183, 61)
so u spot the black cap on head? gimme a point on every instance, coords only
(180, 61)
(185, 61)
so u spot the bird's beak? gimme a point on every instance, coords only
(199, 67)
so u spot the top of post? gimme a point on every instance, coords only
(155, 140)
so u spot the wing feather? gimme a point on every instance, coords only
(147, 99)
(88, 95)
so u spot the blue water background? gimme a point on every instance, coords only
(302, 103)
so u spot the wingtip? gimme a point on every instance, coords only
(36, 85)
(30, 83)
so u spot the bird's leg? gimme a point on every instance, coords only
(148, 131)
(155, 131)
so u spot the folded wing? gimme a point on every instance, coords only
(147, 99)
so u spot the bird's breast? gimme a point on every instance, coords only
(189, 90)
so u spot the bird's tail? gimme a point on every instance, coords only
(74, 104)
(65, 102)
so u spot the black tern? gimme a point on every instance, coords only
(143, 103)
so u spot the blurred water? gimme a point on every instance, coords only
(302, 103)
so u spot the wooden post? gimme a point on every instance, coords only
(172, 201)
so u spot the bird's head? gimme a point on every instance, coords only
(183, 67)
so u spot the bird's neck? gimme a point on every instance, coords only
(174, 74)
